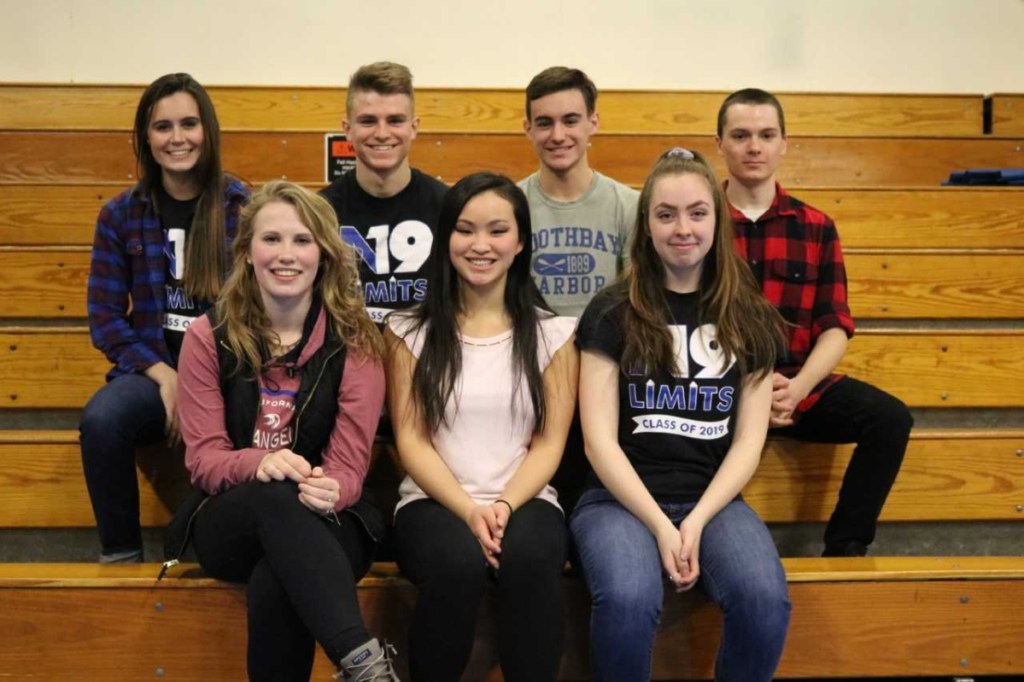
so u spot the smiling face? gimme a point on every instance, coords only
(681, 220)
(485, 242)
(284, 256)
(752, 143)
(560, 128)
(381, 128)
(175, 135)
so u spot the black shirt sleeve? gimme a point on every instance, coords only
(601, 326)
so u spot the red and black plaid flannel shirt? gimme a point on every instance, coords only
(794, 252)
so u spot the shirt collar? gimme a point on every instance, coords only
(782, 205)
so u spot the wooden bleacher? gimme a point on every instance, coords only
(851, 617)
(934, 277)
(947, 475)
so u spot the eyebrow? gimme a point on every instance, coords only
(490, 223)
(695, 204)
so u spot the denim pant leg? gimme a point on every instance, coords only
(742, 574)
(126, 413)
(619, 560)
(852, 411)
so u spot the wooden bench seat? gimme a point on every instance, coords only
(914, 250)
(57, 367)
(105, 157)
(50, 282)
(875, 218)
(851, 617)
(1008, 116)
(947, 475)
(319, 109)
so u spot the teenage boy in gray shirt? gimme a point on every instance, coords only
(581, 219)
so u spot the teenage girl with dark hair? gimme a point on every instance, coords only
(159, 256)
(482, 385)
(675, 389)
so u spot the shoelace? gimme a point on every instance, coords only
(377, 669)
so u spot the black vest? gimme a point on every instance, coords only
(316, 409)
(316, 404)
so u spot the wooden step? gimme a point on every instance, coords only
(50, 282)
(947, 475)
(1008, 116)
(318, 109)
(56, 367)
(874, 218)
(50, 157)
(851, 617)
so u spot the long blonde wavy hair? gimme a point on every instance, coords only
(240, 305)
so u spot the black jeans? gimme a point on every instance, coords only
(301, 569)
(851, 411)
(439, 554)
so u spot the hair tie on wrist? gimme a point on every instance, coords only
(506, 503)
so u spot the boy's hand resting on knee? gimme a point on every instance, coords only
(787, 394)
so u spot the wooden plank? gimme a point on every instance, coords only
(877, 629)
(77, 107)
(90, 158)
(926, 368)
(1008, 115)
(940, 218)
(49, 283)
(188, 576)
(968, 475)
(838, 629)
(946, 476)
(902, 568)
(48, 367)
(945, 285)
(55, 215)
(53, 471)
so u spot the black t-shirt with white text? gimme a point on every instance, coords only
(392, 235)
(675, 430)
(180, 309)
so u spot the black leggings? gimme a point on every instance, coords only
(301, 569)
(439, 554)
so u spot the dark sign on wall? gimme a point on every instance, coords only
(341, 156)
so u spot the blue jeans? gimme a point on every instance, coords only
(740, 571)
(126, 413)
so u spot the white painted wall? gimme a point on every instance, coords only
(944, 46)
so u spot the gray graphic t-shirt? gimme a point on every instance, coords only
(579, 246)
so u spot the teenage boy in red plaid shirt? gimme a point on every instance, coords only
(794, 252)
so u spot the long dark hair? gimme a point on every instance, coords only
(748, 327)
(440, 362)
(205, 259)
